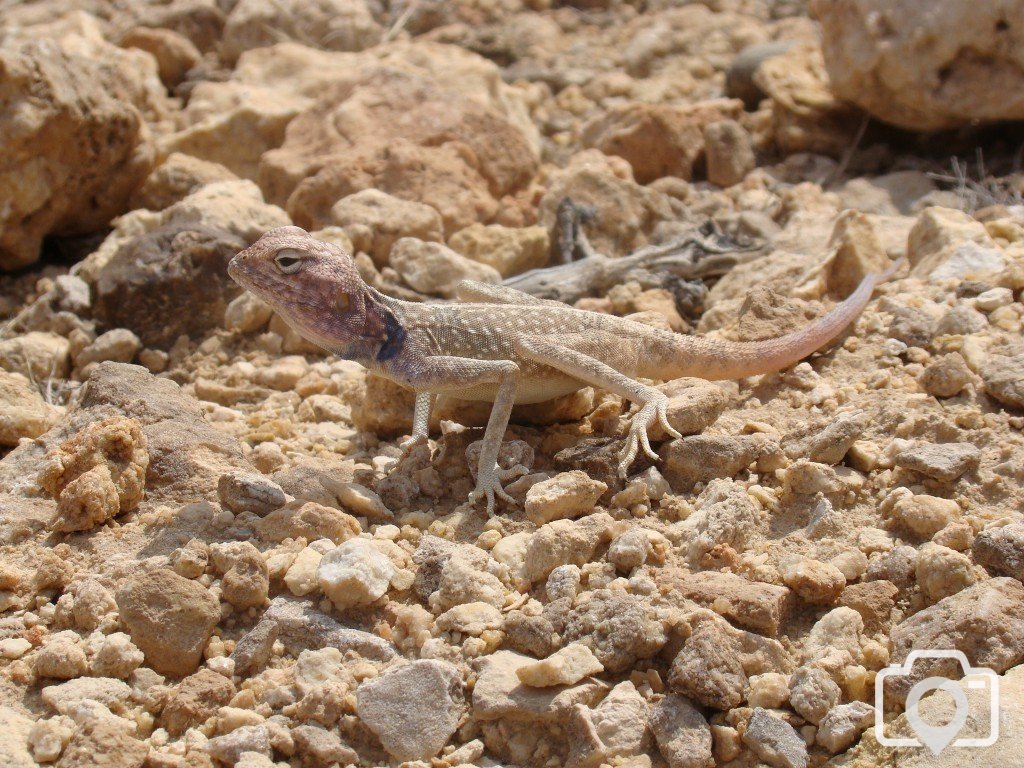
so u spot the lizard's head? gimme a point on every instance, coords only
(314, 286)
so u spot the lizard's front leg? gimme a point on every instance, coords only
(420, 422)
(653, 402)
(449, 375)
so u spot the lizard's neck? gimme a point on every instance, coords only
(377, 352)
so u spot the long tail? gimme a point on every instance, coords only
(717, 359)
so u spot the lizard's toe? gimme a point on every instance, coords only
(663, 420)
(410, 443)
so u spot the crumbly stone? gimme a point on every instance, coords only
(566, 495)
(151, 602)
(567, 666)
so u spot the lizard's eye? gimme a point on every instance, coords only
(288, 261)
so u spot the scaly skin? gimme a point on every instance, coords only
(503, 346)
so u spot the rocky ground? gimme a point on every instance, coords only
(210, 553)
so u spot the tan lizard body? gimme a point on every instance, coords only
(503, 346)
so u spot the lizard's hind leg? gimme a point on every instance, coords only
(446, 374)
(653, 402)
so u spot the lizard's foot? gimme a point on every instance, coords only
(488, 485)
(407, 445)
(655, 409)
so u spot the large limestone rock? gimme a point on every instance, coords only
(74, 138)
(170, 619)
(406, 134)
(926, 66)
(187, 456)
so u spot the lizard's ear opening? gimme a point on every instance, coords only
(343, 302)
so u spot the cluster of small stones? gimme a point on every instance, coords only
(213, 551)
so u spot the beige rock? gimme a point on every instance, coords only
(805, 116)
(566, 495)
(925, 515)
(218, 113)
(375, 221)
(702, 458)
(873, 600)
(310, 521)
(693, 405)
(61, 657)
(253, 492)
(117, 657)
(509, 250)
(658, 139)
(1003, 375)
(942, 571)
(981, 621)
(301, 575)
(563, 542)
(14, 749)
(769, 690)
(119, 345)
(945, 376)
(101, 743)
(921, 69)
(617, 727)
(66, 698)
(944, 462)
(246, 314)
(407, 135)
(498, 692)
(470, 618)
(567, 666)
(37, 355)
(194, 699)
(75, 139)
(812, 693)
(858, 252)
(941, 244)
(177, 177)
(730, 153)
(414, 709)
(362, 501)
(151, 602)
(813, 581)
(175, 54)
(843, 725)
(23, 412)
(708, 669)
(246, 582)
(434, 268)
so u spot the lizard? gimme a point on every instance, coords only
(502, 346)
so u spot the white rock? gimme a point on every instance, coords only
(354, 573)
